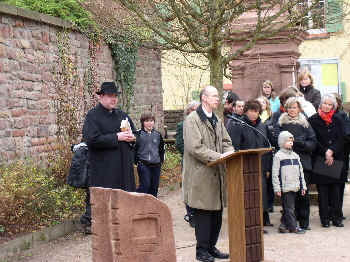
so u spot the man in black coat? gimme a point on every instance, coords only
(108, 132)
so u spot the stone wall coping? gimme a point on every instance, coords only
(27, 241)
(35, 16)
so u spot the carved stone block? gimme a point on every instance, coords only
(130, 227)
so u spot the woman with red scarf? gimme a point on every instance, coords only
(329, 128)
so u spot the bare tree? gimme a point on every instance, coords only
(205, 26)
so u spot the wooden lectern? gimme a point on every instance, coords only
(245, 215)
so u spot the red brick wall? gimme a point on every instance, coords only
(28, 52)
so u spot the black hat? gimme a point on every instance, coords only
(108, 88)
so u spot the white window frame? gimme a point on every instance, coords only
(312, 30)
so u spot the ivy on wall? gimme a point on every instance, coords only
(69, 10)
(124, 54)
(124, 48)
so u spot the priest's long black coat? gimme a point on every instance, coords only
(111, 161)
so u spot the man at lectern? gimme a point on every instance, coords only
(205, 140)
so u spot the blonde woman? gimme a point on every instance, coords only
(305, 85)
(265, 108)
(269, 93)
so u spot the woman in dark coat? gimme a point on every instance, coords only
(305, 143)
(306, 87)
(251, 133)
(329, 129)
(346, 120)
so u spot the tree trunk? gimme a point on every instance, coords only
(216, 76)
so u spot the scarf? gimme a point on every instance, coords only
(282, 109)
(305, 89)
(327, 117)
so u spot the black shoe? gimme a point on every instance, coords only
(218, 254)
(204, 256)
(306, 228)
(298, 230)
(325, 224)
(338, 224)
(282, 229)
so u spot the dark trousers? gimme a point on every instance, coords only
(329, 203)
(148, 178)
(270, 193)
(208, 225)
(341, 193)
(288, 216)
(86, 217)
(302, 208)
(302, 203)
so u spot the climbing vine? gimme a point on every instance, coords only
(124, 47)
(70, 97)
(124, 54)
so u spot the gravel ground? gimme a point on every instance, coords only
(319, 244)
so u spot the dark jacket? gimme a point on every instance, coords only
(312, 95)
(244, 137)
(111, 161)
(149, 147)
(329, 137)
(346, 120)
(234, 126)
(179, 142)
(79, 170)
(274, 119)
(304, 138)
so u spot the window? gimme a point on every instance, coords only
(315, 18)
(325, 73)
(326, 16)
(334, 21)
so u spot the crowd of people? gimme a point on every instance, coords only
(318, 131)
(309, 133)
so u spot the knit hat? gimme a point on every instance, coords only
(283, 137)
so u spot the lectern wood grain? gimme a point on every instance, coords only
(244, 204)
(236, 210)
